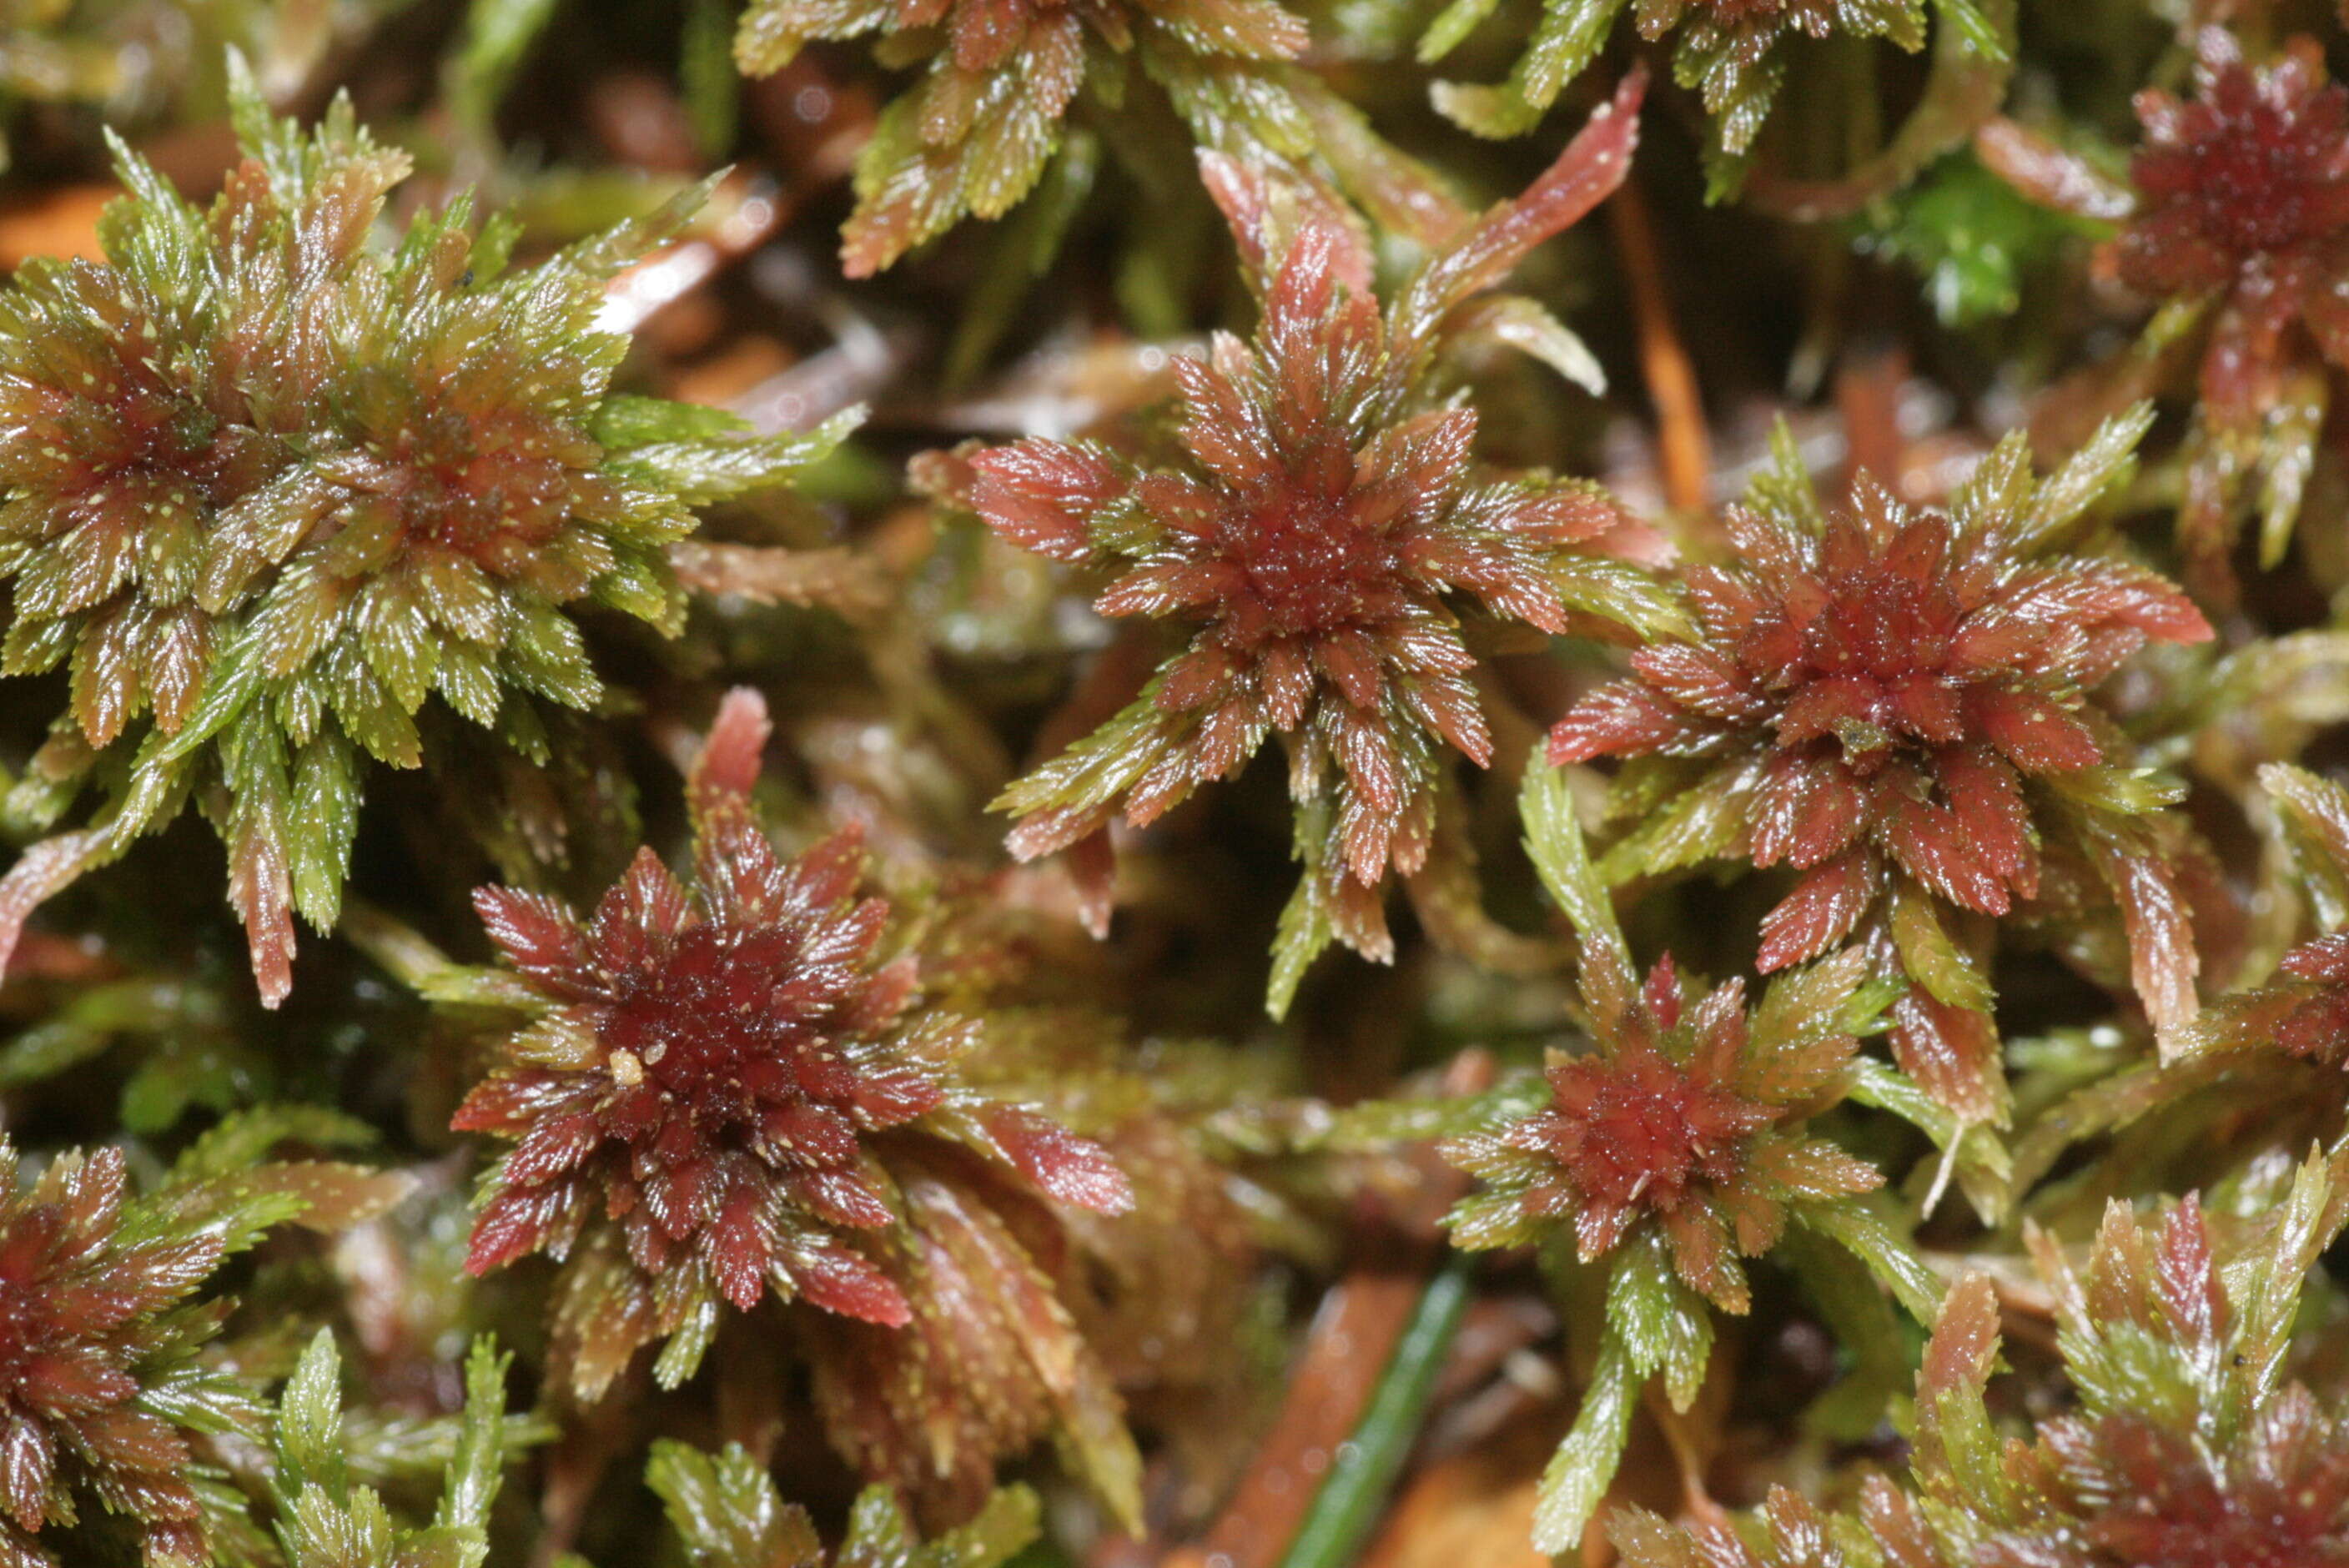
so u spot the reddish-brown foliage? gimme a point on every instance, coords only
(1889, 701)
(2244, 187)
(80, 1306)
(1682, 1118)
(1896, 683)
(2244, 205)
(711, 1064)
(977, 130)
(1313, 533)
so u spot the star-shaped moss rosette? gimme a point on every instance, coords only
(1315, 538)
(107, 1393)
(726, 1509)
(272, 478)
(2242, 218)
(1901, 706)
(2183, 1444)
(1732, 51)
(719, 1094)
(1678, 1144)
(2235, 219)
(981, 126)
(328, 1519)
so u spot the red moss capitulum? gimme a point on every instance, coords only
(1320, 535)
(713, 1061)
(1635, 1132)
(496, 485)
(77, 1315)
(1313, 550)
(719, 1069)
(2248, 182)
(1683, 1117)
(1306, 565)
(1892, 683)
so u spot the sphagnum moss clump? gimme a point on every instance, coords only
(275, 481)
(1900, 706)
(1809, 740)
(1316, 533)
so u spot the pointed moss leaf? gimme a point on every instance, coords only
(1954, 1436)
(2090, 474)
(1452, 25)
(1785, 492)
(240, 1141)
(309, 1434)
(726, 1510)
(1528, 327)
(1578, 1474)
(1305, 929)
(626, 420)
(698, 473)
(1553, 840)
(682, 1357)
(2117, 791)
(1931, 955)
(326, 814)
(880, 1535)
(2265, 1286)
(1495, 113)
(1003, 1528)
(1664, 1324)
(2315, 812)
(474, 1469)
(1625, 593)
(1371, 1126)
(1697, 824)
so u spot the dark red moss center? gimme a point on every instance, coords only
(1863, 657)
(2260, 165)
(2172, 1512)
(159, 447)
(486, 488)
(2231, 1539)
(1312, 566)
(1644, 1132)
(715, 1010)
(2251, 185)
